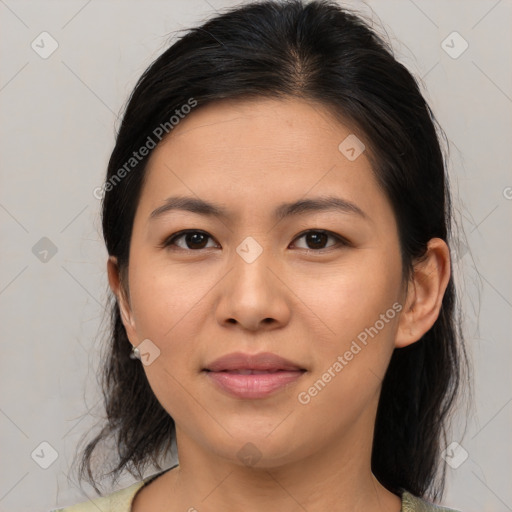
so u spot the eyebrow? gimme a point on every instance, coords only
(317, 204)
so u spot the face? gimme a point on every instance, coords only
(319, 286)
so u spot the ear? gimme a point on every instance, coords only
(424, 294)
(114, 280)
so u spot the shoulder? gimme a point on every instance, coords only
(119, 501)
(411, 503)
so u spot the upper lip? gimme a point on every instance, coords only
(261, 361)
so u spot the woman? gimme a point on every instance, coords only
(277, 217)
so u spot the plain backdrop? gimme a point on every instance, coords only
(67, 69)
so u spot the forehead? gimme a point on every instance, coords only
(290, 125)
(262, 151)
(258, 137)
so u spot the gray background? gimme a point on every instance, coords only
(59, 116)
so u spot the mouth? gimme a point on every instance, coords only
(252, 376)
(251, 385)
(249, 371)
(245, 364)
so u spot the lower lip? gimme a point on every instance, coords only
(257, 385)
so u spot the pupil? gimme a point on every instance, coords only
(193, 238)
(314, 238)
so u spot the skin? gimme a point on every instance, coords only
(197, 304)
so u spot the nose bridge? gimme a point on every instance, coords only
(252, 294)
(251, 271)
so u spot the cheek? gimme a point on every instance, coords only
(165, 297)
(359, 312)
(349, 368)
(166, 309)
(351, 296)
(166, 304)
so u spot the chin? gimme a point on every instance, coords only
(258, 451)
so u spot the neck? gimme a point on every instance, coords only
(335, 478)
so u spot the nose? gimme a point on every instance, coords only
(252, 295)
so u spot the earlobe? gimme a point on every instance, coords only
(425, 293)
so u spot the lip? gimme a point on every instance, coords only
(269, 373)
(253, 386)
(261, 361)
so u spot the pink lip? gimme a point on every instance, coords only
(225, 372)
(261, 361)
(258, 385)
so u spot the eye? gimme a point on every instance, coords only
(196, 240)
(316, 239)
(193, 239)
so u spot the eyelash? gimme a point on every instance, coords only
(169, 241)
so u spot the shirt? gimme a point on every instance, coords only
(121, 501)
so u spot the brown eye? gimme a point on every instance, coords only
(191, 239)
(316, 239)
